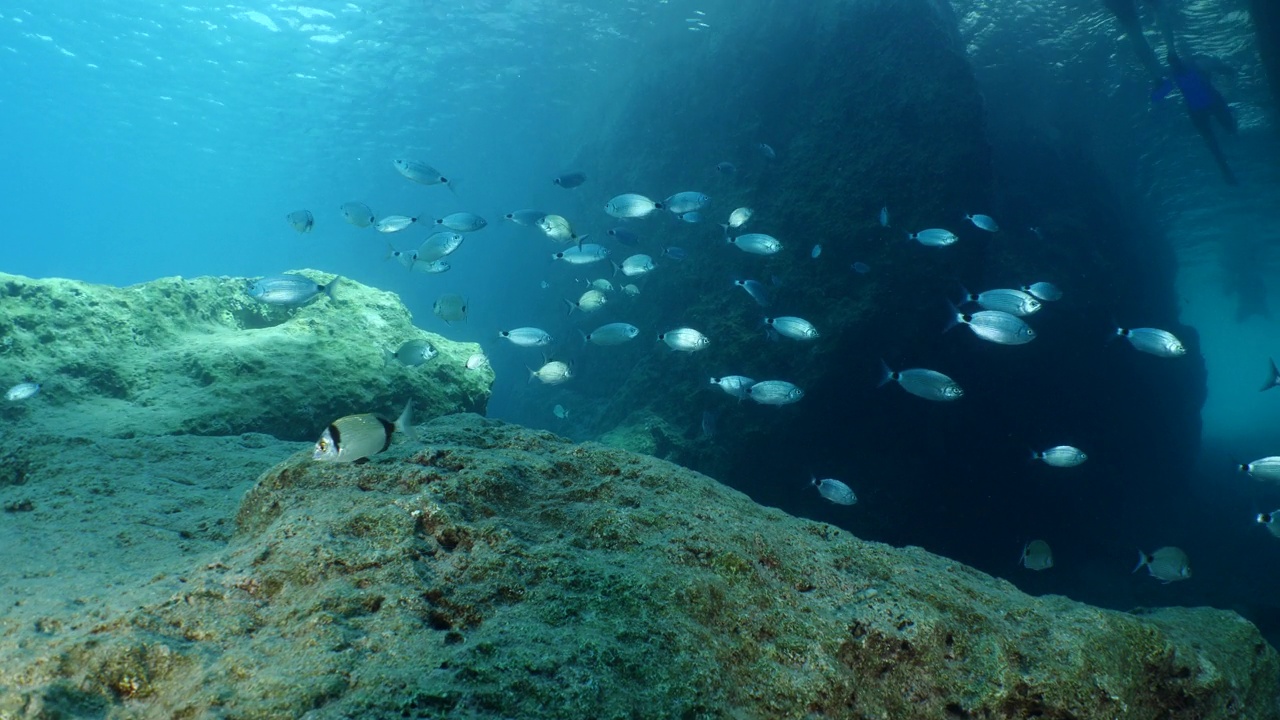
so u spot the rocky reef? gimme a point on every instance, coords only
(200, 356)
(479, 569)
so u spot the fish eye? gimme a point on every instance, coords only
(322, 445)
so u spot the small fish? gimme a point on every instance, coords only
(590, 301)
(1036, 555)
(735, 385)
(462, 222)
(477, 361)
(552, 373)
(289, 290)
(1153, 341)
(301, 220)
(625, 236)
(560, 411)
(983, 222)
(793, 327)
(1014, 302)
(739, 217)
(674, 253)
(709, 418)
(394, 223)
(637, 265)
(570, 180)
(411, 353)
(420, 172)
(756, 243)
(558, 229)
(1273, 378)
(1062, 456)
(1043, 291)
(528, 218)
(527, 337)
(1270, 521)
(884, 216)
(727, 168)
(602, 285)
(686, 202)
(1267, 468)
(756, 290)
(995, 326)
(356, 437)
(775, 392)
(1167, 564)
(927, 384)
(934, 237)
(861, 268)
(630, 290)
(582, 254)
(22, 391)
(1036, 231)
(815, 252)
(544, 284)
(406, 259)
(357, 213)
(631, 205)
(835, 491)
(435, 267)
(684, 339)
(691, 217)
(612, 334)
(767, 151)
(439, 245)
(450, 308)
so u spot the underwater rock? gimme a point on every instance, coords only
(486, 570)
(200, 356)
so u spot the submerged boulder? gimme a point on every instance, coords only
(200, 356)
(485, 570)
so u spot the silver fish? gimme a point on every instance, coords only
(1153, 341)
(767, 151)
(411, 352)
(735, 385)
(560, 411)
(636, 265)
(406, 259)
(552, 373)
(462, 222)
(602, 285)
(756, 290)
(793, 327)
(631, 205)
(582, 254)
(1036, 555)
(420, 172)
(625, 236)
(630, 290)
(527, 337)
(756, 243)
(1167, 564)
(439, 245)
(884, 216)
(435, 267)
(450, 308)
(301, 220)
(928, 384)
(1014, 302)
(557, 229)
(477, 361)
(528, 218)
(290, 290)
(726, 167)
(570, 180)
(684, 339)
(995, 326)
(686, 202)
(775, 392)
(983, 222)
(739, 217)
(357, 213)
(1044, 291)
(394, 223)
(934, 237)
(1267, 468)
(355, 437)
(835, 491)
(613, 334)
(22, 391)
(1063, 456)
(816, 251)
(1270, 521)
(590, 301)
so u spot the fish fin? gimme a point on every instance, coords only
(956, 316)
(1273, 379)
(1142, 560)
(965, 295)
(452, 184)
(328, 289)
(532, 374)
(387, 357)
(886, 375)
(585, 339)
(616, 268)
(391, 251)
(572, 306)
(406, 417)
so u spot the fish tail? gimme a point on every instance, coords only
(585, 339)
(406, 417)
(387, 356)
(1273, 379)
(328, 289)
(572, 306)
(886, 375)
(532, 374)
(1142, 560)
(956, 316)
(616, 268)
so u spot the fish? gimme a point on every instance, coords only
(1167, 564)
(691, 217)
(934, 237)
(406, 259)
(1036, 555)
(630, 290)
(590, 301)
(394, 223)
(527, 218)
(301, 220)
(995, 326)
(22, 391)
(775, 392)
(1267, 468)
(602, 285)
(739, 217)
(631, 205)
(356, 437)
(793, 327)
(861, 268)
(1270, 521)
(289, 290)
(735, 385)
(927, 384)
(686, 202)
(674, 253)
(438, 245)
(420, 172)
(357, 213)
(625, 236)
(756, 243)
(476, 361)
(462, 222)
(983, 222)
(527, 336)
(612, 334)
(552, 373)
(557, 229)
(815, 252)
(570, 180)
(684, 339)
(727, 168)
(1014, 302)
(1062, 456)
(544, 284)
(637, 265)
(834, 490)
(450, 308)
(767, 151)
(411, 352)
(884, 216)
(435, 267)
(560, 411)
(756, 290)
(1273, 378)
(1153, 341)
(1043, 291)
(582, 254)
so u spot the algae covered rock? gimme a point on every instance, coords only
(483, 570)
(200, 356)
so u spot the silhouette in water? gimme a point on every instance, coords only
(1204, 103)
(1126, 12)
